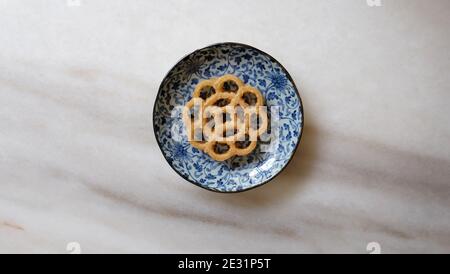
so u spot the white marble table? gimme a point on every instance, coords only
(79, 161)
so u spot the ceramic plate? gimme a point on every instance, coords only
(255, 68)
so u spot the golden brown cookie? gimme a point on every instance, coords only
(225, 117)
(220, 151)
(249, 96)
(221, 100)
(205, 89)
(244, 146)
(228, 83)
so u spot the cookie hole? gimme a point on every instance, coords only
(250, 98)
(210, 123)
(207, 92)
(230, 86)
(222, 102)
(221, 148)
(243, 144)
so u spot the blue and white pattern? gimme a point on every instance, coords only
(256, 69)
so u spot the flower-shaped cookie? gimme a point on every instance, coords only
(225, 117)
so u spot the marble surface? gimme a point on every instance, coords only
(79, 161)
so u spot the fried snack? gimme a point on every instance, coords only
(220, 151)
(245, 146)
(249, 96)
(215, 107)
(205, 89)
(221, 100)
(234, 128)
(222, 117)
(228, 83)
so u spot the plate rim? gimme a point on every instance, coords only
(301, 109)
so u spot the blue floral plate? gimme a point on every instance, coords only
(255, 68)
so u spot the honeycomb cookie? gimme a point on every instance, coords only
(228, 83)
(225, 117)
(249, 96)
(205, 89)
(220, 151)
